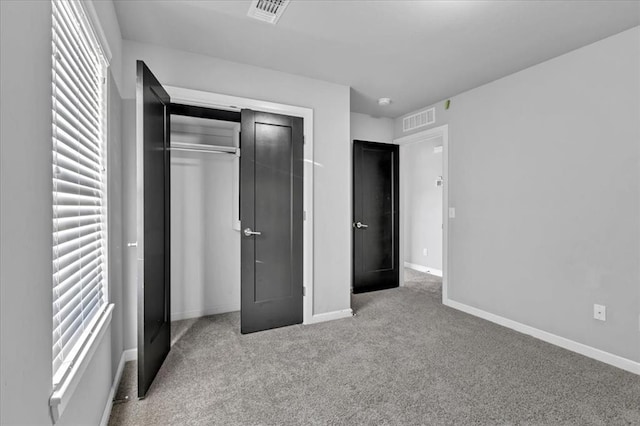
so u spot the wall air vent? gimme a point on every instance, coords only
(420, 119)
(267, 10)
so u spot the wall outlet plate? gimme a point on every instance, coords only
(424, 252)
(600, 312)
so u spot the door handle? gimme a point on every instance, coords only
(360, 225)
(248, 232)
(134, 244)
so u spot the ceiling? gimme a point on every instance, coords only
(415, 52)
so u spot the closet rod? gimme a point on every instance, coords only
(196, 147)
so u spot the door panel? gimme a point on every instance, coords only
(271, 178)
(375, 207)
(154, 337)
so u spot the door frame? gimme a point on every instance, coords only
(235, 103)
(423, 136)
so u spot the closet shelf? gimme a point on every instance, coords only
(197, 147)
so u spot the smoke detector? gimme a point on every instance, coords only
(384, 101)
(267, 10)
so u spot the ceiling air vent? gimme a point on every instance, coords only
(267, 10)
(420, 119)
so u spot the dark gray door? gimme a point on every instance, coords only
(271, 177)
(154, 327)
(375, 216)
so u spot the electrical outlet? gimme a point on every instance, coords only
(600, 312)
(424, 252)
(452, 212)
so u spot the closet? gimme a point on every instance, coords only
(219, 217)
(205, 222)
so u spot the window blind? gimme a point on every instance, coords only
(79, 183)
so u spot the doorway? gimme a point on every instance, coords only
(424, 197)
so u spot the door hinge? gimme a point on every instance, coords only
(304, 140)
(304, 291)
(304, 215)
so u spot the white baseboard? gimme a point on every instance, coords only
(130, 354)
(330, 316)
(582, 349)
(212, 310)
(420, 268)
(114, 388)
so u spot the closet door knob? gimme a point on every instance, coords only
(248, 232)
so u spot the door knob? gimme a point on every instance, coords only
(248, 232)
(360, 225)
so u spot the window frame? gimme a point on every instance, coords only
(66, 378)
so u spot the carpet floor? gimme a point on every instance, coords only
(403, 359)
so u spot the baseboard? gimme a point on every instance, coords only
(114, 388)
(212, 310)
(426, 269)
(130, 354)
(582, 349)
(330, 316)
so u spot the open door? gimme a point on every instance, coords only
(154, 326)
(376, 219)
(271, 177)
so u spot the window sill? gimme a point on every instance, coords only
(61, 396)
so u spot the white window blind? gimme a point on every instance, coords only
(79, 184)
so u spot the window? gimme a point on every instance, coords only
(79, 184)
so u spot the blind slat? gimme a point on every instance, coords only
(70, 44)
(79, 280)
(62, 91)
(71, 275)
(60, 296)
(84, 42)
(72, 176)
(62, 224)
(68, 124)
(75, 188)
(65, 98)
(64, 267)
(79, 236)
(63, 315)
(64, 162)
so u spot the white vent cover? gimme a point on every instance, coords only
(420, 119)
(267, 10)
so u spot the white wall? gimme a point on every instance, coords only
(116, 245)
(25, 212)
(205, 247)
(330, 104)
(129, 194)
(420, 167)
(90, 397)
(545, 179)
(373, 129)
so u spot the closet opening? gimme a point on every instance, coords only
(205, 213)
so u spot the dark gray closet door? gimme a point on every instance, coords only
(154, 327)
(376, 223)
(271, 177)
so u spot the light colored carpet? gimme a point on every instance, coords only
(404, 359)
